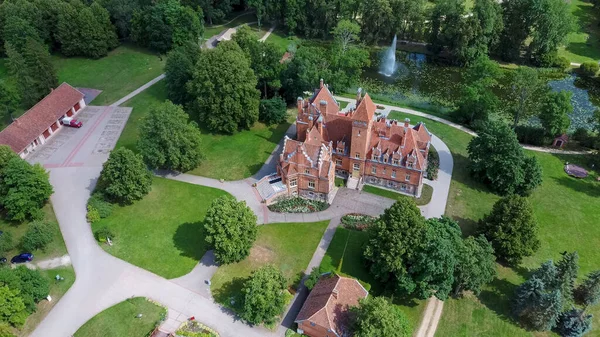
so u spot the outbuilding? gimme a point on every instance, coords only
(42, 121)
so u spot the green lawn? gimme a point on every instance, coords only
(349, 245)
(209, 31)
(277, 244)
(566, 210)
(231, 157)
(584, 43)
(282, 40)
(163, 232)
(121, 320)
(57, 290)
(423, 200)
(54, 249)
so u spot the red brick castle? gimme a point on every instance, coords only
(350, 144)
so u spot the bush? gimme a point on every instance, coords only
(98, 202)
(272, 111)
(38, 236)
(532, 135)
(562, 63)
(312, 278)
(92, 214)
(298, 205)
(433, 164)
(124, 177)
(31, 284)
(103, 233)
(6, 242)
(357, 221)
(589, 69)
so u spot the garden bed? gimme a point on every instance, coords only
(298, 205)
(195, 329)
(357, 221)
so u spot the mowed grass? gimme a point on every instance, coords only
(566, 211)
(121, 320)
(57, 290)
(288, 246)
(210, 31)
(229, 157)
(54, 249)
(583, 44)
(124, 69)
(348, 244)
(281, 40)
(163, 232)
(425, 198)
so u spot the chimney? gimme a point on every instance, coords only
(335, 293)
(406, 122)
(321, 84)
(388, 130)
(310, 123)
(358, 96)
(323, 106)
(299, 104)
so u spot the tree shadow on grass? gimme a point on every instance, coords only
(497, 296)
(586, 186)
(230, 290)
(189, 239)
(467, 226)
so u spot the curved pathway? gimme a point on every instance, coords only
(389, 108)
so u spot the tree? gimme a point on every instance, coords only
(345, 33)
(6, 242)
(449, 28)
(377, 19)
(574, 323)
(394, 240)
(511, 228)
(589, 69)
(12, 309)
(24, 189)
(121, 13)
(31, 284)
(375, 316)
(588, 292)
(224, 89)
(39, 234)
(231, 229)
(555, 112)
(478, 101)
(307, 67)
(526, 91)
(476, 265)
(346, 67)
(313, 278)
(410, 18)
(33, 70)
(259, 10)
(272, 111)
(433, 267)
(567, 269)
(179, 68)
(174, 145)
(9, 99)
(5, 330)
(214, 10)
(263, 296)
(124, 177)
(6, 154)
(17, 30)
(498, 160)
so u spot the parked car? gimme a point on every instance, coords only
(22, 258)
(72, 122)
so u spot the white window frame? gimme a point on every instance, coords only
(373, 170)
(293, 182)
(338, 162)
(407, 177)
(393, 173)
(311, 182)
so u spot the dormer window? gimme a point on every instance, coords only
(385, 158)
(374, 157)
(357, 155)
(307, 171)
(395, 161)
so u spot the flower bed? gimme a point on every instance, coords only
(357, 221)
(195, 329)
(298, 205)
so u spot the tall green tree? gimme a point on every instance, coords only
(375, 316)
(231, 229)
(9, 99)
(31, 284)
(410, 18)
(24, 189)
(377, 18)
(6, 154)
(214, 10)
(394, 241)
(174, 145)
(476, 265)
(179, 68)
(263, 296)
(511, 228)
(567, 268)
(12, 309)
(308, 66)
(527, 90)
(449, 28)
(224, 89)
(272, 111)
(555, 112)
(124, 177)
(479, 101)
(346, 33)
(260, 10)
(588, 292)
(121, 13)
(574, 323)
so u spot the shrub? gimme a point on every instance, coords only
(532, 135)
(562, 63)
(92, 214)
(312, 278)
(38, 236)
(433, 164)
(589, 69)
(298, 205)
(581, 134)
(31, 284)
(357, 221)
(6, 242)
(103, 233)
(98, 202)
(272, 111)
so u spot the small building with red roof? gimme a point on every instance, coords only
(42, 121)
(351, 144)
(325, 311)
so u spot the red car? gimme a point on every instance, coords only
(72, 122)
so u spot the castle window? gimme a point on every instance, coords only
(385, 159)
(374, 157)
(359, 133)
(395, 161)
(307, 171)
(293, 182)
(407, 178)
(338, 162)
(311, 184)
(374, 170)
(393, 173)
(357, 155)
(403, 187)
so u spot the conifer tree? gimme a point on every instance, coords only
(567, 275)
(588, 292)
(574, 323)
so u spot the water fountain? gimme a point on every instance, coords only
(388, 63)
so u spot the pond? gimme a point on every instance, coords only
(436, 88)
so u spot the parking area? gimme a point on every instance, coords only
(86, 146)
